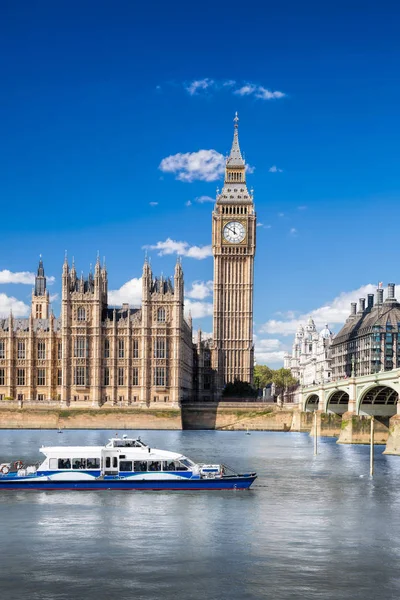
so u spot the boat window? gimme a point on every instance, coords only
(93, 463)
(79, 463)
(169, 465)
(108, 462)
(180, 466)
(53, 463)
(186, 462)
(64, 463)
(125, 465)
(140, 466)
(155, 465)
(115, 462)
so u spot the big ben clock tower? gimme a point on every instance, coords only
(234, 246)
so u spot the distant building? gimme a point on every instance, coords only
(310, 361)
(369, 341)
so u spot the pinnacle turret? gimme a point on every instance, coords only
(235, 157)
(40, 280)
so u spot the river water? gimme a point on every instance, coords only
(310, 528)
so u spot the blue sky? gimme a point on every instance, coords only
(93, 97)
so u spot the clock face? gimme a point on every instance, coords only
(234, 232)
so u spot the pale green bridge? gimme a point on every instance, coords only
(376, 394)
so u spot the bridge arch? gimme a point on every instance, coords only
(379, 400)
(311, 403)
(337, 402)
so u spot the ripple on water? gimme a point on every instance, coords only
(311, 527)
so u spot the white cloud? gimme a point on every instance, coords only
(200, 290)
(204, 165)
(264, 226)
(270, 358)
(293, 231)
(203, 199)
(281, 214)
(274, 169)
(267, 344)
(7, 303)
(188, 203)
(25, 277)
(246, 90)
(259, 92)
(207, 85)
(130, 292)
(198, 309)
(199, 85)
(53, 297)
(180, 248)
(260, 225)
(333, 313)
(153, 203)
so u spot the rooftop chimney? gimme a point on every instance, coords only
(361, 306)
(370, 301)
(390, 294)
(353, 309)
(379, 295)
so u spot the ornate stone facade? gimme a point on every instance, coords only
(99, 354)
(145, 355)
(369, 341)
(310, 361)
(234, 247)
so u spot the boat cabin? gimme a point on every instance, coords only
(120, 456)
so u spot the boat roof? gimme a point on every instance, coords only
(141, 453)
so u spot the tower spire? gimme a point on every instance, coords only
(235, 168)
(235, 158)
(40, 280)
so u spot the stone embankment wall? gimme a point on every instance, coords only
(256, 416)
(229, 416)
(78, 418)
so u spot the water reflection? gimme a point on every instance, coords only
(312, 527)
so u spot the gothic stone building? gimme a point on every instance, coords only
(141, 355)
(234, 247)
(96, 353)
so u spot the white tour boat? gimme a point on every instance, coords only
(122, 464)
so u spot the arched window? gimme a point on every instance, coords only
(106, 348)
(81, 314)
(161, 315)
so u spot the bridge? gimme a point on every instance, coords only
(355, 399)
(376, 394)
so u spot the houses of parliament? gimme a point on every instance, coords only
(101, 355)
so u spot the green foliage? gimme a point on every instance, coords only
(239, 389)
(8, 398)
(262, 376)
(283, 378)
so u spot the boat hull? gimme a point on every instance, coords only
(44, 483)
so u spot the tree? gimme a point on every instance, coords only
(283, 378)
(262, 376)
(238, 389)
